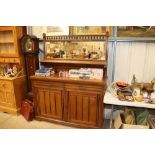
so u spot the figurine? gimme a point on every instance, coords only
(153, 97)
(14, 69)
(61, 53)
(136, 92)
(134, 80)
(153, 83)
(9, 73)
(94, 55)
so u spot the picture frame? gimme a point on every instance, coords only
(90, 30)
(55, 30)
(135, 31)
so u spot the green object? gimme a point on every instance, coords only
(141, 117)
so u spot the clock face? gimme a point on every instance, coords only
(28, 45)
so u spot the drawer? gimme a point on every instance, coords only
(14, 60)
(6, 85)
(49, 85)
(6, 60)
(2, 59)
(10, 60)
(82, 87)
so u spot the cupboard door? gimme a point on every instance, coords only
(83, 108)
(50, 103)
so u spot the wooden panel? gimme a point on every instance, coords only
(19, 85)
(93, 109)
(100, 111)
(80, 87)
(47, 102)
(6, 85)
(10, 99)
(52, 103)
(72, 106)
(2, 98)
(42, 101)
(79, 108)
(85, 108)
(7, 98)
(30, 64)
(58, 104)
(47, 84)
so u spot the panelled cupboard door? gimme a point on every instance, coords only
(83, 108)
(50, 103)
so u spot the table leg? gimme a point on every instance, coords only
(111, 116)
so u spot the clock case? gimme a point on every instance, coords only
(31, 60)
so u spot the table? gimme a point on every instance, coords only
(112, 100)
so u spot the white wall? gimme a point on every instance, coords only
(35, 30)
(134, 58)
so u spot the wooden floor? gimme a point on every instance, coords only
(8, 121)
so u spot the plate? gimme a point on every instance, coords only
(122, 84)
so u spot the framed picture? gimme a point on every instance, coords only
(55, 30)
(89, 30)
(135, 31)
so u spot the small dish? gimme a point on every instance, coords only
(122, 84)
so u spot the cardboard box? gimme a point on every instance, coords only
(151, 122)
(118, 124)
